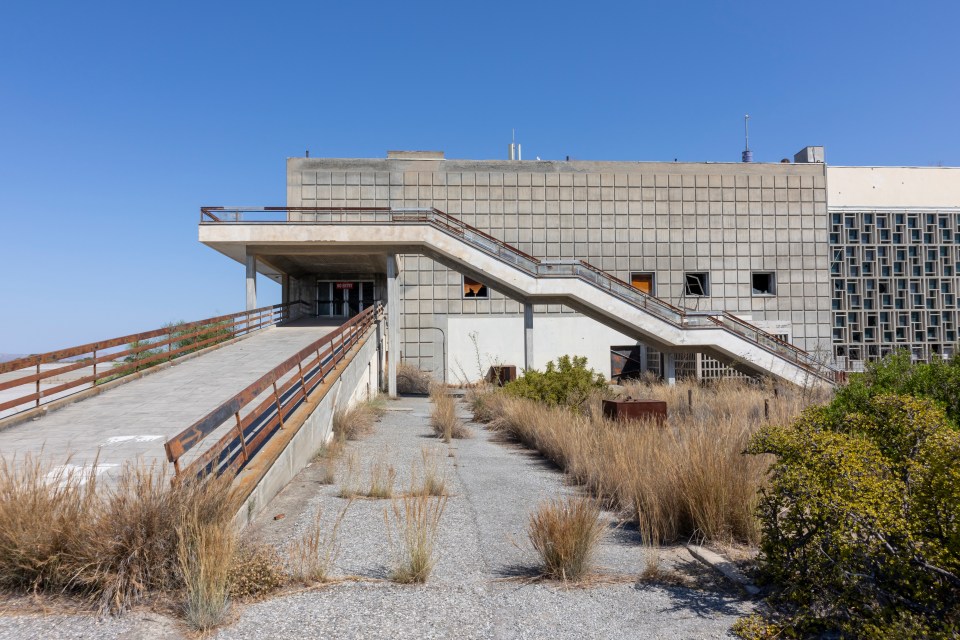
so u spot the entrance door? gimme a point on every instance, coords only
(343, 297)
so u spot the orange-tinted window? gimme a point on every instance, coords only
(643, 281)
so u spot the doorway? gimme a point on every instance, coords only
(343, 298)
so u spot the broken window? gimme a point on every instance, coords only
(696, 284)
(764, 284)
(474, 289)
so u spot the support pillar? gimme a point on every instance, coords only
(527, 336)
(393, 325)
(251, 282)
(670, 368)
(642, 357)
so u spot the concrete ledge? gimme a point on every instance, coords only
(725, 567)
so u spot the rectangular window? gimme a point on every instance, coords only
(696, 284)
(474, 289)
(764, 284)
(644, 282)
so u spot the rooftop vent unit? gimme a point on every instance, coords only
(809, 154)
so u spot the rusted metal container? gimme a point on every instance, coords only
(629, 409)
(501, 375)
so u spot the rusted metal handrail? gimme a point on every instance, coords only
(118, 357)
(260, 410)
(580, 269)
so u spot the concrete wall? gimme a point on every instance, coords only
(357, 382)
(668, 218)
(894, 186)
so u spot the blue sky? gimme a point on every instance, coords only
(118, 120)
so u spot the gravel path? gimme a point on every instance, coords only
(480, 587)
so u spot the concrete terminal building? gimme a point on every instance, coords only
(846, 263)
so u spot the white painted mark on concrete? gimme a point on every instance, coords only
(79, 474)
(122, 439)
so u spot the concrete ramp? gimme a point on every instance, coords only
(134, 420)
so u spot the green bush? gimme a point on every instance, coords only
(567, 383)
(938, 380)
(861, 521)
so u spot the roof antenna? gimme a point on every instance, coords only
(747, 155)
(514, 151)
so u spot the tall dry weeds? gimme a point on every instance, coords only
(63, 530)
(311, 556)
(443, 416)
(357, 421)
(434, 481)
(687, 479)
(416, 520)
(566, 534)
(411, 380)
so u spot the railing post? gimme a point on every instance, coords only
(38, 384)
(94, 367)
(279, 408)
(303, 383)
(243, 444)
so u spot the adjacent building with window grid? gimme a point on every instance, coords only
(846, 262)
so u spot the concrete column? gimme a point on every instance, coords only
(527, 336)
(670, 368)
(393, 325)
(643, 358)
(251, 282)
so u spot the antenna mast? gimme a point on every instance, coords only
(747, 155)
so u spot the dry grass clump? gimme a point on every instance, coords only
(687, 479)
(205, 551)
(417, 520)
(63, 531)
(434, 482)
(443, 416)
(349, 483)
(566, 534)
(411, 380)
(382, 477)
(357, 421)
(256, 570)
(312, 555)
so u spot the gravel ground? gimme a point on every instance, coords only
(481, 586)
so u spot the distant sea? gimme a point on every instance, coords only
(9, 356)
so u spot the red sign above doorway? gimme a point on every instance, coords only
(345, 285)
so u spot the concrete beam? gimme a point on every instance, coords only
(393, 325)
(527, 336)
(251, 282)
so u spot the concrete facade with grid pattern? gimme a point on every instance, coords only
(670, 219)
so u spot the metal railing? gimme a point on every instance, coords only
(684, 319)
(100, 362)
(251, 417)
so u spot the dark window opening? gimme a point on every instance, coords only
(764, 284)
(696, 284)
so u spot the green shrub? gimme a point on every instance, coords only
(938, 380)
(861, 521)
(567, 383)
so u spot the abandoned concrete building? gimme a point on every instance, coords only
(845, 263)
